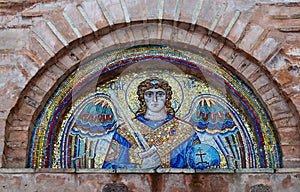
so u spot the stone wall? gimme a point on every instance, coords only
(167, 180)
(42, 41)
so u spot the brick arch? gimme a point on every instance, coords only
(64, 55)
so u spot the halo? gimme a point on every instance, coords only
(131, 90)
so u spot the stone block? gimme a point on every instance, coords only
(188, 8)
(266, 49)
(34, 94)
(279, 107)
(122, 36)
(68, 62)
(2, 127)
(227, 54)
(152, 31)
(54, 182)
(169, 9)
(206, 18)
(95, 171)
(153, 9)
(213, 45)
(251, 38)
(45, 83)
(180, 35)
(14, 39)
(196, 39)
(261, 81)
(136, 10)
(287, 122)
(271, 96)
(238, 60)
(249, 70)
(26, 108)
(238, 28)
(167, 32)
(54, 72)
(89, 182)
(106, 41)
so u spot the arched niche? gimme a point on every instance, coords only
(221, 123)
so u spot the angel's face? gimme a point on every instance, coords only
(155, 99)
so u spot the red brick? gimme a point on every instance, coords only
(38, 51)
(288, 134)
(290, 151)
(77, 19)
(17, 136)
(18, 153)
(62, 26)
(13, 162)
(48, 37)
(283, 77)
(94, 13)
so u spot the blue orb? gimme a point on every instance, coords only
(203, 156)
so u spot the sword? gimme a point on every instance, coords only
(139, 139)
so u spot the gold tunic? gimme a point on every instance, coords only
(165, 137)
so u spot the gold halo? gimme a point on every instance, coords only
(131, 97)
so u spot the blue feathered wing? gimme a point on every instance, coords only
(220, 126)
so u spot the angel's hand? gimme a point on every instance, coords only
(151, 162)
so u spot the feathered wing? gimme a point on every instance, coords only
(224, 137)
(88, 132)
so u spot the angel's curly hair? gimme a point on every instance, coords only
(154, 83)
